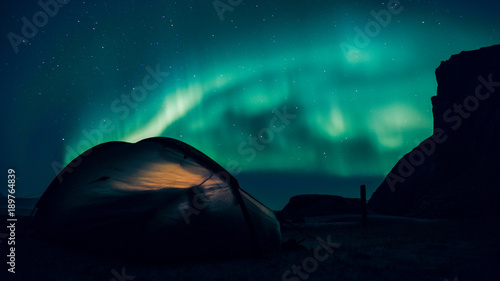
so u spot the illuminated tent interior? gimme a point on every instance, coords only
(157, 198)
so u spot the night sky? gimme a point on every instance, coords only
(290, 96)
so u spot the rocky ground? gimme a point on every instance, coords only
(388, 249)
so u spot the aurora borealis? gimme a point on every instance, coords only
(101, 71)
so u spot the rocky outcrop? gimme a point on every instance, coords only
(313, 205)
(454, 172)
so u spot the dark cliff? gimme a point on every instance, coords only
(454, 172)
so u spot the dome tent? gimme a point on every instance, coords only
(157, 198)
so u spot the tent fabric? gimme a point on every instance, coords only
(156, 198)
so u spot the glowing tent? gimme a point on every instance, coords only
(157, 198)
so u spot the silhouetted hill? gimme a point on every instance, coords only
(453, 173)
(314, 205)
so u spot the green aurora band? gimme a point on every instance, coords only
(356, 112)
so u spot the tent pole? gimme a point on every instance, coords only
(363, 205)
(235, 187)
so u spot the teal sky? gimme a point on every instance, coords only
(355, 113)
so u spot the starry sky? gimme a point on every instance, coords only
(290, 96)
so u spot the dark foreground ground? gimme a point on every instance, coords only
(389, 249)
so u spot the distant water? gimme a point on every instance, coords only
(274, 189)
